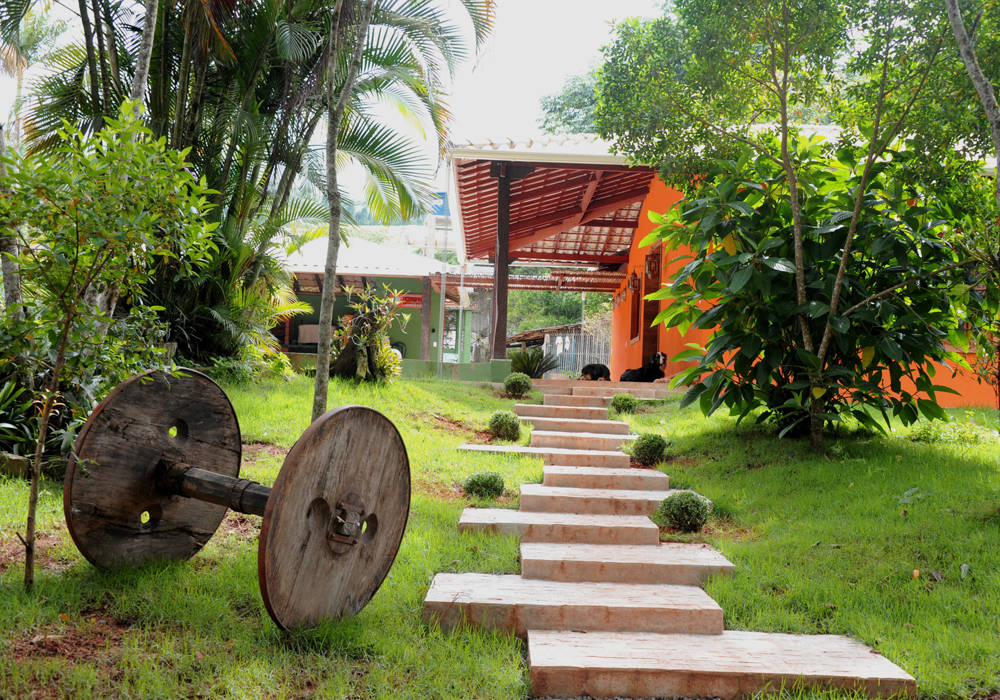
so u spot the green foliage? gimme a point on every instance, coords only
(505, 425)
(529, 309)
(486, 485)
(92, 214)
(954, 432)
(517, 384)
(361, 345)
(532, 362)
(648, 449)
(684, 511)
(624, 403)
(571, 110)
(896, 307)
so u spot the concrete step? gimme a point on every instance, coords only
(650, 392)
(558, 455)
(516, 604)
(570, 400)
(604, 478)
(730, 665)
(531, 410)
(576, 425)
(559, 499)
(578, 441)
(669, 562)
(561, 527)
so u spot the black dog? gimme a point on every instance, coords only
(596, 372)
(649, 372)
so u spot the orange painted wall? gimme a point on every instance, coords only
(627, 353)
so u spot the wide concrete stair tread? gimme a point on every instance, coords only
(516, 604)
(533, 410)
(579, 425)
(649, 392)
(560, 499)
(558, 455)
(669, 562)
(561, 527)
(730, 665)
(578, 441)
(604, 477)
(571, 400)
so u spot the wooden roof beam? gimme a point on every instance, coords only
(567, 219)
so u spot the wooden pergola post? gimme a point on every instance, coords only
(505, 173)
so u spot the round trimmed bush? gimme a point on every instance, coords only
(684, 511)
(505, 425)
(648, 449)
(517, 384)
(624, 403)
(487, 485)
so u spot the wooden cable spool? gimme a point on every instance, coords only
(157, 464)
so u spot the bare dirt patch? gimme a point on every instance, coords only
(46, 555)
(97, 637)
(244, 527)
(252, 451)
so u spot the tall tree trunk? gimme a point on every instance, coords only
(983, 86)
(8, 253)
(335, 114)
(988, 99)
(142, 60)
(102, 58)
(88, 42)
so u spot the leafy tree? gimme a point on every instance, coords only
(571, 111)
(713, 77)
(94, 211)
(896, 298)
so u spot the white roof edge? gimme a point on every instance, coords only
(536, 156)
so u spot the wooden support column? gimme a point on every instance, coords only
(505, 173)
(425, 321)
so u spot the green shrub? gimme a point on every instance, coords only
(505, 425)
(517, 384)
(684, 511)
(648, 449)
(487, 485)
(624, 403)
(533, 362)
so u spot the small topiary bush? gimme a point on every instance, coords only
(624, 403)
(505, 425)
(684, 511)
(648, 449)
(517, 384)
(486, 485)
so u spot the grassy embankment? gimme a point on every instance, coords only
(821, 544)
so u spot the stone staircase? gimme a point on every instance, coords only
(608, 610)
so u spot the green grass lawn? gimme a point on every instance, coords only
(821, 544)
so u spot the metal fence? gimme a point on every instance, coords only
(573, 349)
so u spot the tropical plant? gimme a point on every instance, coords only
(533, 362)
(362, 342)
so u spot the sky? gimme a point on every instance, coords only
(535, 46)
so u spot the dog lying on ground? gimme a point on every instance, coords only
(649, 372)
(596, 372)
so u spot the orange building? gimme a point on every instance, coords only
(564, 200)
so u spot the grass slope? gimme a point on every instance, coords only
(821, 544)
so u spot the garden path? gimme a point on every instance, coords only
(606, 608)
